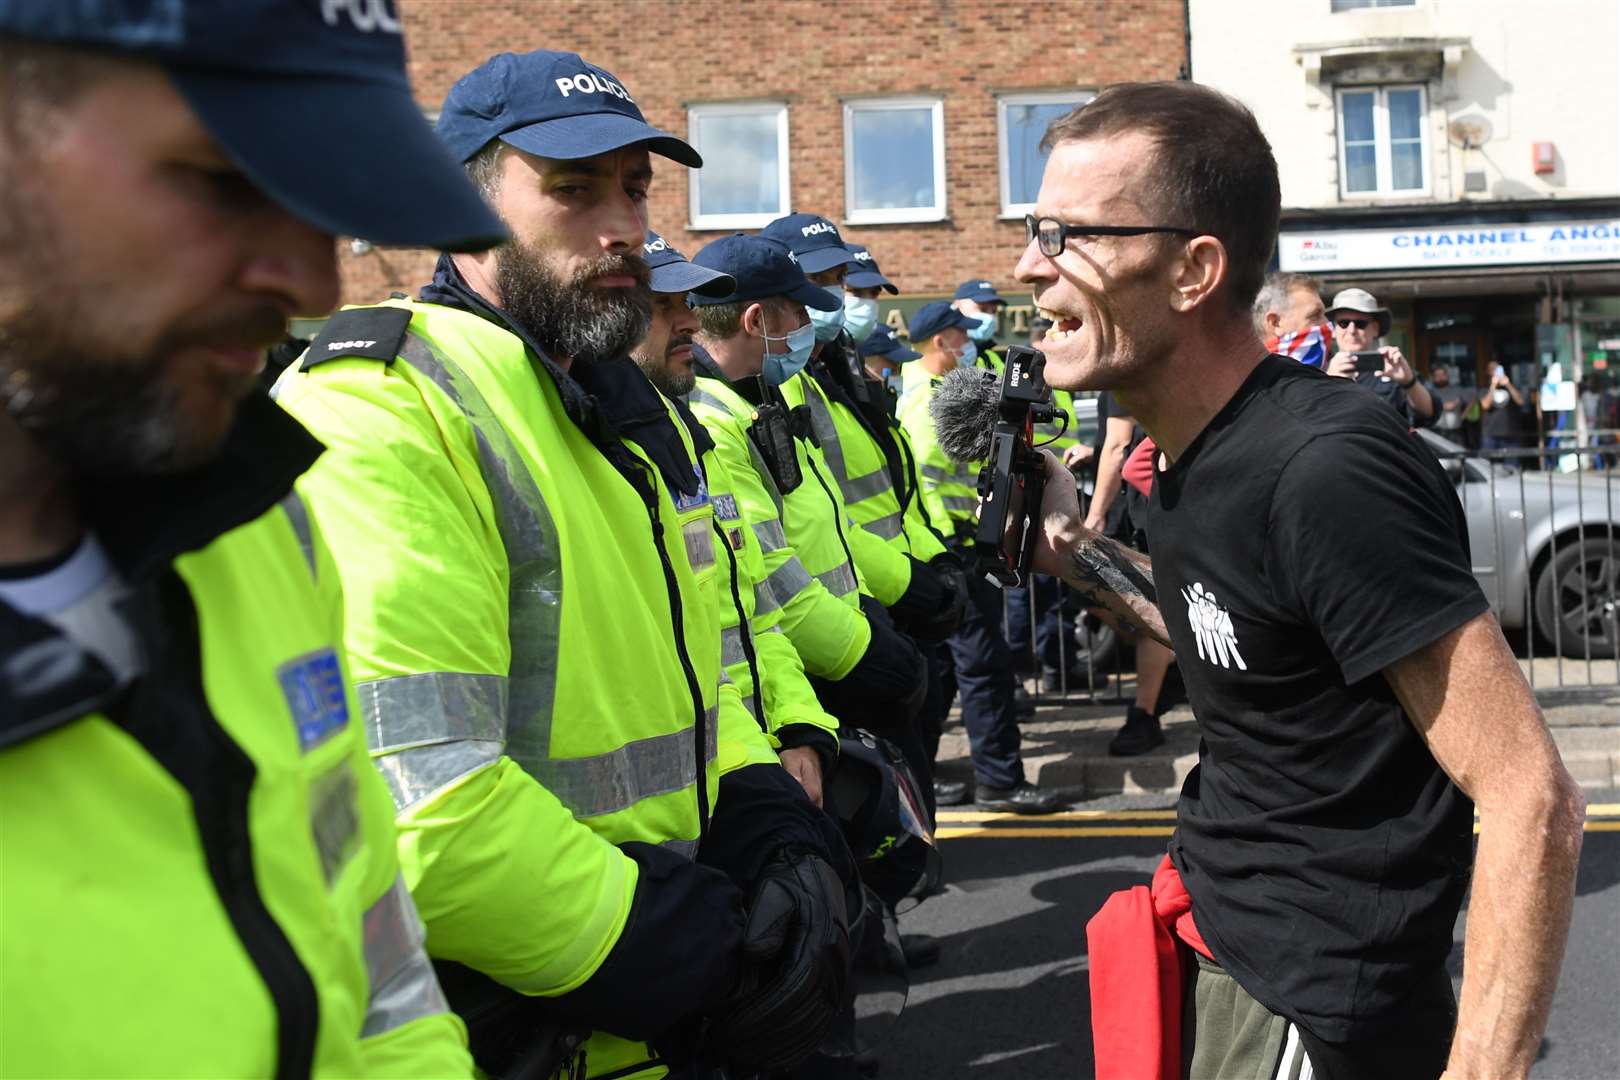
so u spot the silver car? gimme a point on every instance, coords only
(1546, 547)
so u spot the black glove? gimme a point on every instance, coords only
(796, 965)
(932, 607)
(890, 677)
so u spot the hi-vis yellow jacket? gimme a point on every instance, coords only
(533, 637)
(197, 865)
(802, 537)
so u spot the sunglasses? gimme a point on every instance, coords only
(1359, 324)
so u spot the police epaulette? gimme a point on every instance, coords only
(371, 333)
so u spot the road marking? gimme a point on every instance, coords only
(1038, 832)
(1066, 815)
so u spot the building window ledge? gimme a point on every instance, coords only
(1382, 60)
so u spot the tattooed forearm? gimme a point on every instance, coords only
(1108, 574)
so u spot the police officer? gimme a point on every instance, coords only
(749, 344)
(758, 656)
(983, 668)
(586, 811)
(1042, 622)
(197, 856)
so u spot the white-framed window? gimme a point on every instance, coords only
(744, 180)
(1365, 5)
(894, 160)
(1383, 145)
(1021, 123)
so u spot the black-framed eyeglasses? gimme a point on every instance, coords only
(1053, 234)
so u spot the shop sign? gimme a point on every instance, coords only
(1454, 246)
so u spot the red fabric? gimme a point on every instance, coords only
(1136, 978)
(1138, 471)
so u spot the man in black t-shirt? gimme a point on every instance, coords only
(1310, 570)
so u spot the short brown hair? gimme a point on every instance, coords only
(1214, 170)
(721, 321)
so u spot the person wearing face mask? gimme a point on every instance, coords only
(978, 300)
(866, 284)
(982, 663)
(747, 345)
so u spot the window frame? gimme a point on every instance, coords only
(698, 221)
(1375, 6)
(1384, 143)
(1010, 210)
(897, 215)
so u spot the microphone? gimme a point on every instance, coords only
(964, 409)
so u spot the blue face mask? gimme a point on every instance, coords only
(782, 366)
(860, 317)
(968, 353)
(986, 330)
(828, 323)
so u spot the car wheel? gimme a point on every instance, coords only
(1096, 642)
(1576, 598)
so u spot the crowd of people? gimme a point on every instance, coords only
(546, 674)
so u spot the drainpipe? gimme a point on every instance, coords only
(1186, 39)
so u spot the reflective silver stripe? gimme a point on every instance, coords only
(840, 580)
(699, 537)
(334, 820)
(788, 580)
(534, 593)
(765, 600)
(821, 422)
(700, 396)
(888, 526)
(934, 472)
(298, 516)
(432, 730)
(617, 780)
(415, 774)
(770, 536)
(686, 849)
(589, 786)
(403, 986)
(731, 646)
(748, 703)
(967, 503)
(864, 487)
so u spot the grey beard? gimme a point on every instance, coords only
(570, 318)
(662, 376)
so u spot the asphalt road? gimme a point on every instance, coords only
(1010, 1001)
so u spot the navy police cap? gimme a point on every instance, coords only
(884, 342)
(935, 317)
(979, 291)
(763, 269)
(813, 240)
(307, 97)
(864, 272)
(673, 273)
(552, 104)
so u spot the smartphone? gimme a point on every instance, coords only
(1369, 363)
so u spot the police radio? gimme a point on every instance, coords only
(772, 435)
(1014, 478)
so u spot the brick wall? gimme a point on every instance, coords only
(671, 53)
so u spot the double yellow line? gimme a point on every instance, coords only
(973, 824)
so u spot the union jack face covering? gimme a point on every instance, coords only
(1308, 346)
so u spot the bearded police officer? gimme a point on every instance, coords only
(587, 813)
(197, 856)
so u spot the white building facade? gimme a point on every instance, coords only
(1460, 159)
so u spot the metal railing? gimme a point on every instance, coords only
(1544, 546)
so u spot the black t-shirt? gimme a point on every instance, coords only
(1501, 420)
(1301, 544)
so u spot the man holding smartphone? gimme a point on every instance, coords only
(1358, 325)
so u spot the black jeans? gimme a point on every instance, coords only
(984, 679)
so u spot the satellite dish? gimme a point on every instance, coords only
(1469, 132)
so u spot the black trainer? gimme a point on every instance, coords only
(950, 793)
(1140, 734)
(1025, 798)
(1023, 704)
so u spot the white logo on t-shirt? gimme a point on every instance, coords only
(1212, 627)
